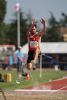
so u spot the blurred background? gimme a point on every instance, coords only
(15, 17)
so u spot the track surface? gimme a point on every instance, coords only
(56, 85)
(54, 90)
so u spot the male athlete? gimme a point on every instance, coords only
(34, 39)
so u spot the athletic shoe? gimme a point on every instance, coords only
(27, 77)
(17, 82)
(20, 76)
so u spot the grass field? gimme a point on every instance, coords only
(47, 74)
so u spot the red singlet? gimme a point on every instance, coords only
(34, 42)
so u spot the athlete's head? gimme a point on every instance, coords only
(34, 29)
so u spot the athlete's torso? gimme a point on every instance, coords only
(34, 42)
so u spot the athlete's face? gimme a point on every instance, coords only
(33, 30)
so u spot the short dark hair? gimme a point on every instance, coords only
(35, 25)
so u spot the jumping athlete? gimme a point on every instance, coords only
(34, 39)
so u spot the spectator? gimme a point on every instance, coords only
(6, 62)
(20, 56)
(10, 61)
(1, 78)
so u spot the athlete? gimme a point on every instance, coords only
(34, 39)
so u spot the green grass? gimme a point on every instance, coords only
(47, 74)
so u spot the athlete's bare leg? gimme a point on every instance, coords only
(36, 56)
(33, 62)
(29, 66)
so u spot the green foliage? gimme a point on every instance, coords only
(2, 16)
(12, 32)
(8, 32)
(63, 20)
(2, 35)
(2, 10)
(52, 33)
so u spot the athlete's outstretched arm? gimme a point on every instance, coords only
(31, 25)
(42, 32)
(44, 28)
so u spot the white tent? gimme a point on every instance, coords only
(49, 47)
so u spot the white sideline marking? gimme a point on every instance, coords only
(39, 90)
(42, 90)
(61, 88)
(59, 79)
(23, 90)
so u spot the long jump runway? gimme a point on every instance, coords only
(53, 90)
(54, 86)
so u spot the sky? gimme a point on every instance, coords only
(38, 8)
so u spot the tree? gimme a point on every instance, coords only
(52, 33)
(12, 32)
(2, 33)
(63, 20)
(2, 10)
(2, 16)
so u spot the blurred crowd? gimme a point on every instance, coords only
(8, 59)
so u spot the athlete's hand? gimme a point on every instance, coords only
(42, 20)
(33, 21)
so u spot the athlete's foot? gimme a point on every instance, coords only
(27, 77)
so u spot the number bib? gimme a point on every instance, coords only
(33, 44)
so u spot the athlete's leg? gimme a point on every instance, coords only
(30, 58)
(37, 52)
(29, 65)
